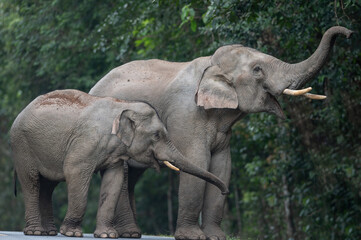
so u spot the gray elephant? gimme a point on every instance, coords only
(68, 135)
(199, 101)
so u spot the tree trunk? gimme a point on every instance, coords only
(291, 232)
(238, 209)
(170, 203)
(262, 223)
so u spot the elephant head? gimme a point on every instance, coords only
(147, 142)
(244, 78)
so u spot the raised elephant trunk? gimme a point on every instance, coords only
(171, 156)
(301, 73)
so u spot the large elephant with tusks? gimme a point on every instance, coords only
(199, 101)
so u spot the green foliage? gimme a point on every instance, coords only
(315, 154)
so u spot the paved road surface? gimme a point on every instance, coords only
(20, 235)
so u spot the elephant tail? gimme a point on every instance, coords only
(15, 177)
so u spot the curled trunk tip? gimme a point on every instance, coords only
(339, 30)
(301, 73)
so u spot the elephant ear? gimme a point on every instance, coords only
(124, 127)
(216, 90)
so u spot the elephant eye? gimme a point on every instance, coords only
(156, 136)
(257, 71)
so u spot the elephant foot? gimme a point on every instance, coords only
(131, 234)
(32, 230)
(71, 231)
(105, 232)
(129, 231)
(214, 232)
(52, 233)
(189, 233)
(51, 230)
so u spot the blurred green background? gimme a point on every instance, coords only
(293, 179)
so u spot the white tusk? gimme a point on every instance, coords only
(171, 166)
(315, 96)
(296, 92)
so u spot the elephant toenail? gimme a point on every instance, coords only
(126, 235)
(135, 235)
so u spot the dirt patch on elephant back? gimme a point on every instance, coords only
(73, 98)
(117, 100)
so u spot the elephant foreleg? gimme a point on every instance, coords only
(191, 192)
(112, 181)
(78, 180)
(125, 218)
(133, 176)
(212, 212)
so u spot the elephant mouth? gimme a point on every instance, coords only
(154, 163)
(273, 106)
(137, 164)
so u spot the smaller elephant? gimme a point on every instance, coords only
(68, 135)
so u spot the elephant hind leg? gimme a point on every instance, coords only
(46, 207)
(30, 186)
(28, 175)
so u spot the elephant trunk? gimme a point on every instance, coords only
(170, 155)
(301, 73)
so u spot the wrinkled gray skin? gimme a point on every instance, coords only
(68, 135)
(199, 101)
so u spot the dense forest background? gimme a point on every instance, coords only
(293, 179)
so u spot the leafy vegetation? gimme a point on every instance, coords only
(293, 179)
